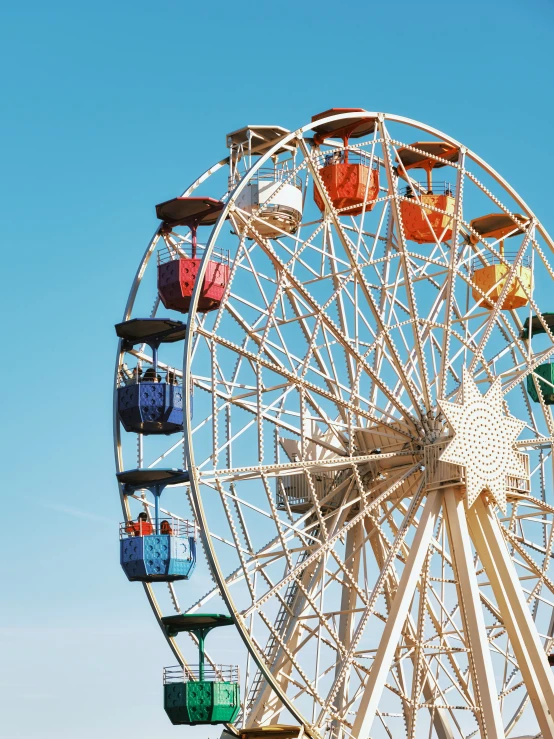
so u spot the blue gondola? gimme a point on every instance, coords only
(150, 402)
(163, 550)
(150, 407)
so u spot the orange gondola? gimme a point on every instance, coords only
(349, 177)
(427, 214)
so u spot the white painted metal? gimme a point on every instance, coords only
(373, 688)
(490, 719)
(517, 620)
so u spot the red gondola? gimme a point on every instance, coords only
(177, 269)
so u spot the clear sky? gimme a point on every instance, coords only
(107, 109)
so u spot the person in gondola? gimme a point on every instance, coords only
(140, 527)
(335, 157)
(151, 376)
(165, 528)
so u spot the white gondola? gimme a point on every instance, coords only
(271, 202)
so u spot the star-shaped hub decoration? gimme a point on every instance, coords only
(483, 441)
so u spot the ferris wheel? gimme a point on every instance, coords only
(358, 440)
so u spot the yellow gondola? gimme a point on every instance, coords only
(491, 278)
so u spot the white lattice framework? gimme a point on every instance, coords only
(372, 596)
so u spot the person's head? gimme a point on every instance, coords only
(142, 516)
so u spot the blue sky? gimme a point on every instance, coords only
(109, 108)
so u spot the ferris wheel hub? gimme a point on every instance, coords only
(483, 442)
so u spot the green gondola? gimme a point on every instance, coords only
(546, 384)
(205, 695)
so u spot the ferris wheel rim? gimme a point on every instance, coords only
(131, 298)
(139, 274)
